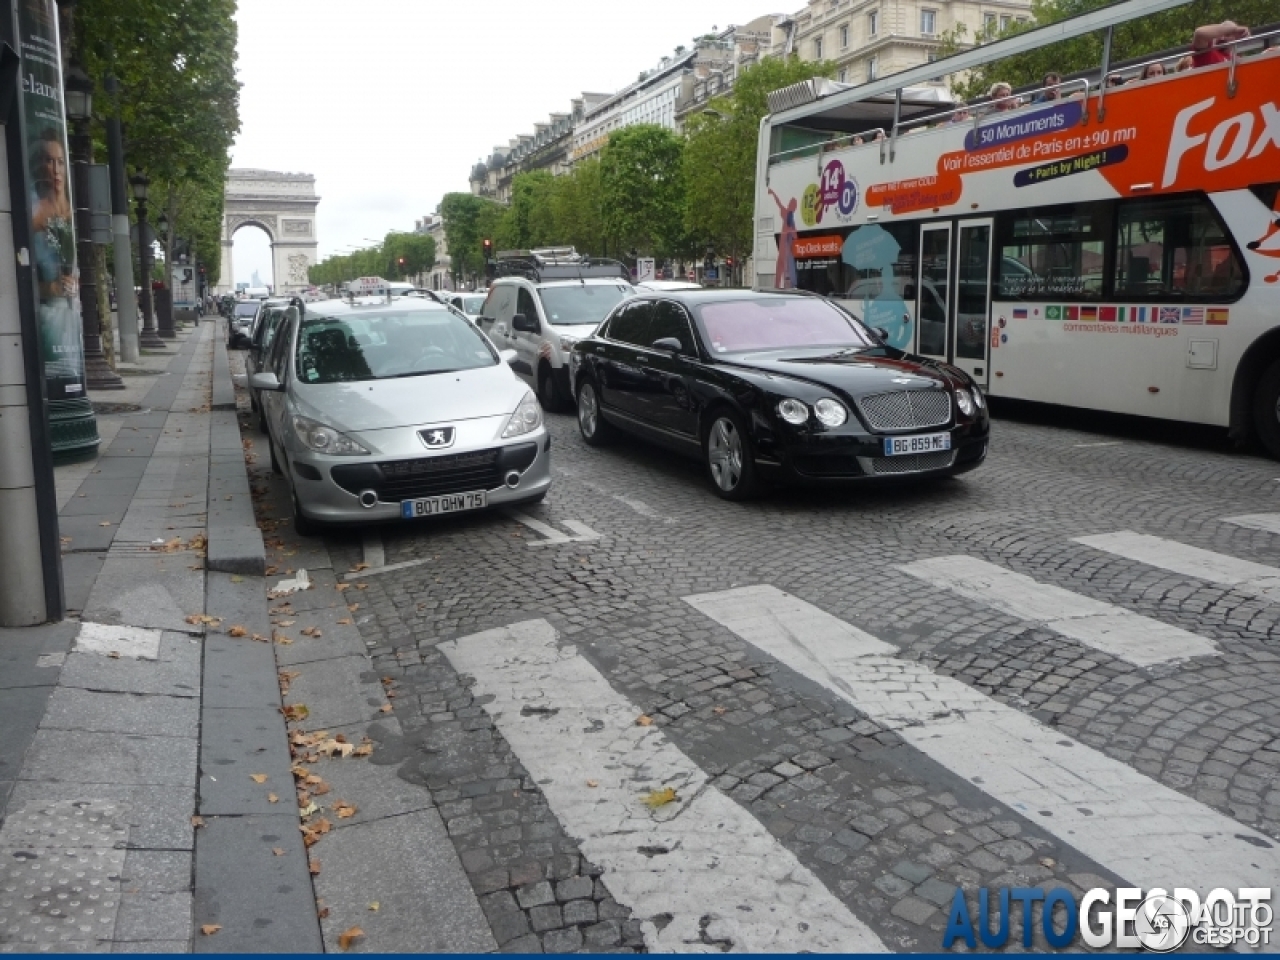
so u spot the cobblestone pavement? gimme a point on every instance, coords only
(850, 786)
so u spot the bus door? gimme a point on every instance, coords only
(971, 299)
(933, 289)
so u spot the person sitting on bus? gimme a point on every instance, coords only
(1001, 96)
(1152, 70)
(857, 140)
(1051, 91)
(961, 114)
(1206, 40)
(1183, 64)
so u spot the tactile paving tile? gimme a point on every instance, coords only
(60, 868)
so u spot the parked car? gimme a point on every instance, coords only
(240, 324)
(472, 304)
(272, 315)
(542, 307)
(774, 385)
(380, 409)
(668, 285)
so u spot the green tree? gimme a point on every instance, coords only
(1148, 35)
(642, 189)
(578, 208)
(468, 221)
(408, 254)
(720, 155)
(529, 220)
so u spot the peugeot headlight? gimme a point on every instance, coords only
(831, 412)
(793, 411)
(526, 419)
(978, 398)
(323, 439)
(964, 402)
(567, 342)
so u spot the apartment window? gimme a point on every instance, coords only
(843, 75)
(817, 49)
(1004, 22)
(873, 67)
(989, 24)
(928, 22)
(873, 23)
(844, 37)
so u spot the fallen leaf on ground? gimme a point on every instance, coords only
(197, 822)
(278, 851)
(1047, 862)
(375, 907)
(593, 783)
(344, 809)
(718, 711)
(364, 750)
(209, 929)
(334, 747)
(360, 566)
(312, 778)
(660, 798)
(238, 631)
(348, 937)
(272, 798)
(258, 777)
(114, 654)
(308, 810)
(323, 914)
(644, 720)
(314, 867)
(105, 523)
(286, 623)
(203, 618)
(362, 586)
(344, 622)
(341, 586)
(353, 607)
(320, 789)
(385, 708)
(259, 638)
(295, 712)
(269, 571)
(312, 632)
(283, 640)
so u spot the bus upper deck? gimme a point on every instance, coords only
(1113, 247)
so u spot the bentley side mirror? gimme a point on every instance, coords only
(669, 344)
(265, 381)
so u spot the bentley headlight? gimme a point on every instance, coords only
(323, 439)
(965, 402)
(526, 419)
(793, 411)
(978, 398)
(831, 412)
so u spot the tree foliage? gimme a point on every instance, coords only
(1150, 34)
(400, 256)
(720, 156)
(179, 101)
(468, 221)
(642, 189)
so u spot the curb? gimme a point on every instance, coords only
(224, 390)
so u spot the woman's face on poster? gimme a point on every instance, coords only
(53, 168)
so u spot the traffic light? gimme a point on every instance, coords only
(488, 249)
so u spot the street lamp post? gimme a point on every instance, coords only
(79, 101)
(164, 308)
(149, 338)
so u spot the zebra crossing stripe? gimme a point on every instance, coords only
(1268, 522)
(1142, 831)
(1255, 579)
(1121, 633)
(702, 860)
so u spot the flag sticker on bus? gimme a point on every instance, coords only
(1217, 317)
(1193, 314)
(1169, 314)
(1019, 313)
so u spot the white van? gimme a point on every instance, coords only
(257, 293)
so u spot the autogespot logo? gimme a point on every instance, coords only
(1126, 918)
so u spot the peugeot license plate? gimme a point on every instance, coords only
(452, 503)
(926, 443)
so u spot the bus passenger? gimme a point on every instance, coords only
(1002, 98)
(962, 114)
(1051, 91)
(1152, 70)
(1184, 64)
(1207, 39)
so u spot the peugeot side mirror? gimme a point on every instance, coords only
(669, 344)
(265, 381)
(508, 356)
(525, 324)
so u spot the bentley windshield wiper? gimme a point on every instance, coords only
(418, 373)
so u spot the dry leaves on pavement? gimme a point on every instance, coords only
(644, 720)
(204, 619)
(237, 631)
(659, 798)
(258, 777)
(278, 851)
(344, 810)
(348, 937)
(209, 929)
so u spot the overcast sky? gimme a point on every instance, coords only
(389, 103)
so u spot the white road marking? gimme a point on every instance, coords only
(137, 642)
(1256, 579)
(374, 553)
(1269, 522)
(1122, 633)
(554, 537)
(642, 508)
(385, 568)
(1144, 832)
(1108, 443)
(703, 860)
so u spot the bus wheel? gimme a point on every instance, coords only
(1266, 409)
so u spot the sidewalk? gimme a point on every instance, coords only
(147, 775)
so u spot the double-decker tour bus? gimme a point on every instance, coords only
(1109, 247)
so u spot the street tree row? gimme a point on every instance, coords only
(398, 257)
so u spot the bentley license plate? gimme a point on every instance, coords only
(927, 443)
(452, 503)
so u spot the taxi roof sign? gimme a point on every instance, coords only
(368, 287)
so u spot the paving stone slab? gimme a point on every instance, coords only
(237, 744)
(239, 672)
(157, 818)
(377, 791)
(164, 871)
(335, 640)
(337, 692)
(148, 915)
(71, 708)
(77, 756)
(22, 709)
(408, 865)
(159, 592)
(175, 674)
(21, 652)
(263, 902)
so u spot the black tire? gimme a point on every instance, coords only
(303, 526)
(549, 394)
(728, 457)
(595, 430)
(1266, 409)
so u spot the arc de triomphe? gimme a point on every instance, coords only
(282, 204)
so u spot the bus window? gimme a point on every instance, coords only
(1174, 247)
(1053, 252)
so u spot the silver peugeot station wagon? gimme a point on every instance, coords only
(380, 408)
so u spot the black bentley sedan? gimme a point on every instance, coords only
(773, 385)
